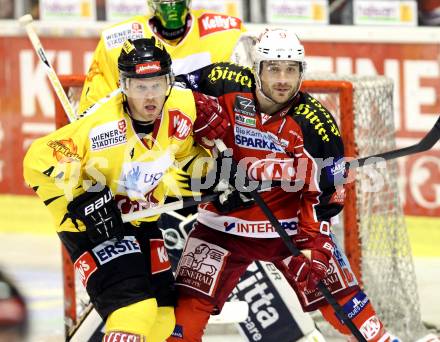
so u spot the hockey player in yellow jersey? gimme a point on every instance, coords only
(193, 38)
(119, 159)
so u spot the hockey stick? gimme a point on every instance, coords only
(294, 250)
(26, 22)
(165, 208)
(181, 204)
(91, 317)
(427, 142)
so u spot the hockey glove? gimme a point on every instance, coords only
(98, 212)
(211, 122)
(309, 272)
(230, 199)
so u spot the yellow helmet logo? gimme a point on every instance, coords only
(127, 47)
(158, 44)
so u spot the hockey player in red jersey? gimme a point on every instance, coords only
(276, 133)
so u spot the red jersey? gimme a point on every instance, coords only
(300, 144)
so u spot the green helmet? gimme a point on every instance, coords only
(171, 13)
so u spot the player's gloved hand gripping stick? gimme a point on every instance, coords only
(427, 142)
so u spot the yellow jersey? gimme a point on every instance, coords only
(104, 148)
(210, 38)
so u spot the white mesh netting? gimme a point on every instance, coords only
(387, 267)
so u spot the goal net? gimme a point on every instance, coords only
(374, 231)
(372, 227)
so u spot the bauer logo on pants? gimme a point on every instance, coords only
(200, 266)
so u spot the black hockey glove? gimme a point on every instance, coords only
(231, 199)
(98, 212)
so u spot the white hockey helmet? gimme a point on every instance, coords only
(278, 44)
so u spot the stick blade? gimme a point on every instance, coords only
(431, 138)
(25, 20)
(437, 124)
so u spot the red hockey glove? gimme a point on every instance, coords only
(211, 122)
(308, 272)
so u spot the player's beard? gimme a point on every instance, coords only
(280, 93)
(270, 102)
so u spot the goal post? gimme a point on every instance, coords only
(337, 96)
(375, 236)
(372, 224)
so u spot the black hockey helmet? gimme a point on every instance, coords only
(143, 58)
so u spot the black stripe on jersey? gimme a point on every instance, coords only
(65, 217)
(188, 164)
(50, 200)
(184, 181)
